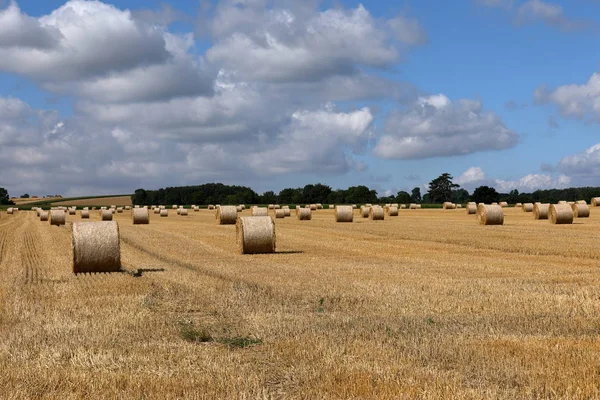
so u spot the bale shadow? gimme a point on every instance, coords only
(290, 252)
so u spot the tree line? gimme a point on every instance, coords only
(440, 189)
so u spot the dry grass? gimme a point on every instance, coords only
(100, 201)
(425, 305)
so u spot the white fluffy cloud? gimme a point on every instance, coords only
(302, 44)
(576, 101)
(475, 176)
(434, 127)
(583, 165)
(551, 14)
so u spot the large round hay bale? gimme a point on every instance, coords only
(519, 205)
(276, 207)
(581, 210)
(540, 211)
(395, 205)
(238, 209)
(279, 213)
(260, 211)
(286, 211)
(113, 210)
(72, 211)
(448, 205)
(376, 213)
(503, 204)
(227, 215)
(164, 212)
(560, 214)
(179, 211)
(331, 207)
(458, 206)
(38, 210)
(392, 211)
(107, 215)
(44, 216)
(304, 214)
(140, 216)
(120, 210)
(210, 207)
(581, 202)
(255, 235)
(402, 206)
(364, 211)
(490, 215)
(344, 214)
(157, 210)
(596, 202)
(270, 206)
(471, 208)
(9, 210)
(319, 206)
(196, 208)
(85, 214)
(174, 206)
(412, 206)
(183, 212)
(58, 217)
(313, 207)
(527, 207)
(96, 247)
(368, 205)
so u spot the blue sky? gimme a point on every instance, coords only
(108, 97)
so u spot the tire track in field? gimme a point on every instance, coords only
(31, 259)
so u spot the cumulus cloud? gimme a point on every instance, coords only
(475, 176)
(584, 164)
(303, 44)
(549, 13)
(434, 127)
(95, 50)
(576, 101)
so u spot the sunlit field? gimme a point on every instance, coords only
(428, 304)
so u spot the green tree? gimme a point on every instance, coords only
(485, 194)
(403, 197)
(4, 197)
(290, 196)
(416, 195)
(25, 196)
(440, 189)
(315, 193)
(268, 198)
(460, 196)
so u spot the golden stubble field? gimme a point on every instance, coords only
(425, 305)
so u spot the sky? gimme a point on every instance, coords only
(107, 97)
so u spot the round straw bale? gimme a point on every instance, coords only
(9, 210)
(270, 206)
(227, 215)
(85, 214)
(287, 212)
(419, 206)
(44, 215)
(448, 205)
(112, 210)
(527, 207)
(331, 207)
(210, 207)
(38, 211)
(471, 209)
(260, 211)
(183, 212)
(519, 205)
(72, 211)
(140, 216)
(164, 213)
(368, 205)
(157, 211)
(120, 210)
(276, 207)
(304, 214)
(458, 205)
(596, 202)
(178, 211)
(127, 208)
(162, 207)
(107, 215)
(344, 214)
(560, 214)
(392, 211)
(540, 211)
(319, 206)
(503, 204)
(412, 206)
(313, 207)
(376, 213)
(581, 202)
(58, 217)
(494, 203)
(402, 206)
(490, 215)
(279, 213)
(238, 209)
(196, 208)
(364, 211)
(255, 235)
(581, 210)
(96, 247)
(354, 206)
(174, 207)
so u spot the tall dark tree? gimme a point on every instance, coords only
(268, 197)
(290, 196)
(485, 194)
(460, 196)
(25, 196)
(440, 189)
(316, 193)
(4, 197)
(403, 197)
(416, 195)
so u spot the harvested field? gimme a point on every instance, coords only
(428, 304)
(99, 201)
